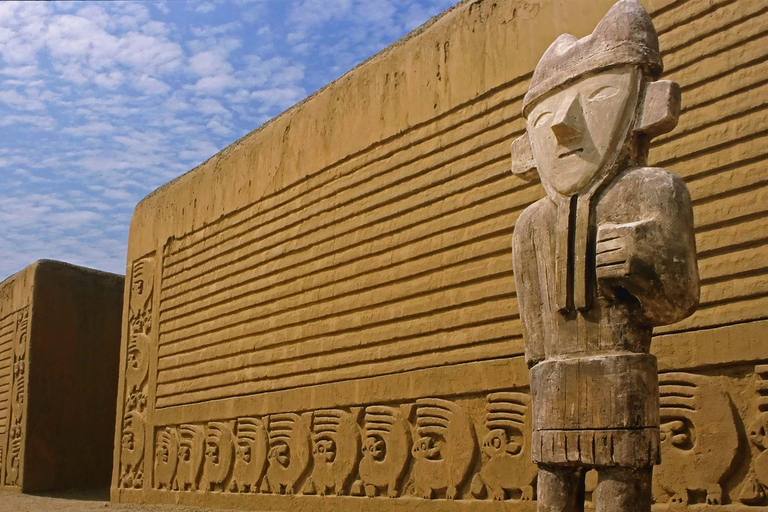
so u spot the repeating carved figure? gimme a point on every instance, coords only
(191, 454)
(699, 438)
(608, 254)
(136, 371)
(289, 453)
(756, 487)
(219, 455)
(251, 456)
(507, 464)
(336, 452)
(18, 394)
(386, 450)
(166, 457)
(445, 449)
(132, 450)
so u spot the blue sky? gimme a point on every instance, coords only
(102, 102)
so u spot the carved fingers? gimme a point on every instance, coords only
(617, 262)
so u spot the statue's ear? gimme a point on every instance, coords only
(661, 108)
(523, 164)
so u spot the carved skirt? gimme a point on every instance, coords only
(596, 411)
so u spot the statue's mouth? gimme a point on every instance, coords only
(569, 153)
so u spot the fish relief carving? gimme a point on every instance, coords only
(444, 450)
(507, 464)
(699, 439)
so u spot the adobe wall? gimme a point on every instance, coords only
(340, 281)
(59, 353)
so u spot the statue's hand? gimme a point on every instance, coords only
(617, 262)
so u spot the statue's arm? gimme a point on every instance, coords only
(654, 257)
(528, 288)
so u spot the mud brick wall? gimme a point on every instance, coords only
(59, 354)
(327, 306)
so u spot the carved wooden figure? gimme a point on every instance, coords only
(608, 254)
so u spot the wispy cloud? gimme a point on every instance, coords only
(102, 102)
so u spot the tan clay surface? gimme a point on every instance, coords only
(59, 349)
(328, 305)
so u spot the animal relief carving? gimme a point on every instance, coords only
(386, 450)
(444, 450)
(18, 395)
(219, 455)
(336, 451)
(755, 488)
(251, 455)
(699, 439)
(289, 453)
(507, 464)
(166, 457)
(191, 454)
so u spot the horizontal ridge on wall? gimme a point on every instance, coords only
(401, 252)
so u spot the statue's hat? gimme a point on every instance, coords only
(625, 35)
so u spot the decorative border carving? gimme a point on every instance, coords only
(140, 333)
(14, 453)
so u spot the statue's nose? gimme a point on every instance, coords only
(568, 124)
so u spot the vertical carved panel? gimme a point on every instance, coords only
(133, 440)
(14, 453)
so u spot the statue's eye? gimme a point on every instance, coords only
(541, 119)
(603, 93)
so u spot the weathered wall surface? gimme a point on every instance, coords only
(328, 306)
(59, 353)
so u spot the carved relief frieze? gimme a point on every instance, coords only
(755, 489)
(14, 454)
(698, 454)
(507, 465)
(133, 439)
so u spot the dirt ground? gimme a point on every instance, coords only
(78, 502)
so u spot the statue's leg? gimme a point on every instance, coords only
(560, 489)
(623, 489)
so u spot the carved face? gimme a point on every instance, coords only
(127, 440)
(184, 453)
(212, 453)
(575, 131)
(758, 430)
(427, 448)
(162, 453)
(375, 448)
(280, 454)
(244, 453)
(677, 434)
(324, 450)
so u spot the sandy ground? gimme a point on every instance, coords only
(79, 502)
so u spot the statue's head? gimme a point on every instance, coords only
(595, 101)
